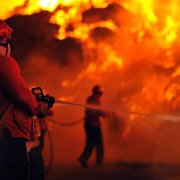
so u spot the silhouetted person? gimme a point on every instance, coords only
(93, 129)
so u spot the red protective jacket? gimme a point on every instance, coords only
(14, 90)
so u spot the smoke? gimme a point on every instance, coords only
(111, 12)
(126, 58)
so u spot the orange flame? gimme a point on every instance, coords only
(134, 53)
(154, 22)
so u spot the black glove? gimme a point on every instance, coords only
(49, 100)
(42, 110)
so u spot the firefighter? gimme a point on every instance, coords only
(17, 107)
(93, 129)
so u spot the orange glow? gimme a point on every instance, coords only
(153, 27)
(176, 73)
(145, 8)
(130, 47)
(6, 11)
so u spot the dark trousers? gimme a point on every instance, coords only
(37, 169)
(93, 140)
(36, 164)
(14, 163)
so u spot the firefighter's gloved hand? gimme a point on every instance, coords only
(42, 109)
(51, 102)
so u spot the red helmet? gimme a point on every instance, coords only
(5, 31)
(97, 90)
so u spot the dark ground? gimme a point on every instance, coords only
(120, 171)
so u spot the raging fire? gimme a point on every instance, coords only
(131, 47)
(152, 26)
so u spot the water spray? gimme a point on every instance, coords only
(109, 111)
(50, 100)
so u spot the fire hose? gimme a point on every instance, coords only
(65, 124)
(49, 166)
(97, 108)
(50, 100)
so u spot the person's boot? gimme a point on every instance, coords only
(83, 162)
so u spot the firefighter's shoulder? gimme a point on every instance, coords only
(8, 64)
